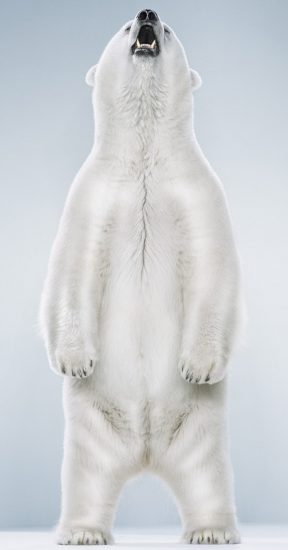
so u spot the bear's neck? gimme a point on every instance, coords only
(147, 116)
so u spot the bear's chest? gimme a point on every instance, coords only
(148, 233)
(142, 302)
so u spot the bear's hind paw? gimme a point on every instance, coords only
(83, 536)
(211, 536)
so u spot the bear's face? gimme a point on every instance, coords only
(143, 54)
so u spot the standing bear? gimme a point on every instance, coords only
(142, 302)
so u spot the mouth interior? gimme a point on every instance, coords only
(146, 41)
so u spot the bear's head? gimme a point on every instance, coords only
(143, 71)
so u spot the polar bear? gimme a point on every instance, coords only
(142, 303)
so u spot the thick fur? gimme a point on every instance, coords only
(142, 303)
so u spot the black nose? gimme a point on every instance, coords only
(147, 15)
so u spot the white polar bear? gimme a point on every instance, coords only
(142, 301)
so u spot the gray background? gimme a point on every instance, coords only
(240, 49)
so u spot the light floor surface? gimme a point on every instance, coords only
(254, 537)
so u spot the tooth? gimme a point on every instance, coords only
(138, 43)
(153, 44)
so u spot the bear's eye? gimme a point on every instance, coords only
(166, 30)
(128, 28)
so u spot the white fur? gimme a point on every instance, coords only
(142, 303)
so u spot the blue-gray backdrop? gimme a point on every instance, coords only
(240, 49)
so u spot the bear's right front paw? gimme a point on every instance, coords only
(75, 363)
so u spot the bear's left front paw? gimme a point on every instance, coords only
(202, 368)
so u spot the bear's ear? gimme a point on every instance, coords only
(90, 76)
(196, 80)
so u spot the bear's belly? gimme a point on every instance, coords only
(141, 312)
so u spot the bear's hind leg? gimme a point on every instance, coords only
(89, 496)
(92, 478)
(198, 470)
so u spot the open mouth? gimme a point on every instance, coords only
(146, 42)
